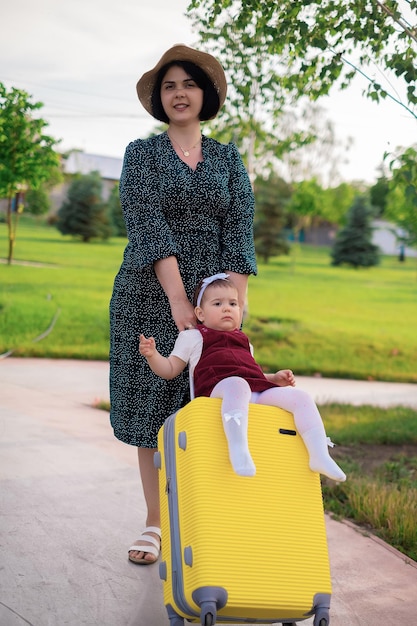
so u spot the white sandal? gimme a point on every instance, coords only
(153, 549)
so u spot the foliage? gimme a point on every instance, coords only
(305, 205)
(259, 114)
(353, 245)
(272, 195)
(84, 213)
(37, 201)
(378, 195)
(115, 213)
(27, 155)
(314, 43)
(401, 206)
(310, 204)
(337, 201)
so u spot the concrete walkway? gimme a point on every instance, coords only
(71, 505)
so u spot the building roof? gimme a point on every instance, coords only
(81, 163)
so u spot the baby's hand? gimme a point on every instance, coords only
(284, 378)
(146, 346)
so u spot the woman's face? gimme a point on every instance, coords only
(181, 98)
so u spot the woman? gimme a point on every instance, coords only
(188, 207)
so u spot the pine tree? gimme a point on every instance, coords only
(84, 213)
(353, 244)
(271, 196)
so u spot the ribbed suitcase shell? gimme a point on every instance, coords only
(262, 538)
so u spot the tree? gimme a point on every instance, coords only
(84, 213)
(115, 213)
(306, 205)
(378, 194)
(315, 41)
(27, 155)
(37, 201)
(353, 245)
(271, 196)
(401, 204)
(259, 116)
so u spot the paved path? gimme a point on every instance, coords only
(71, 505)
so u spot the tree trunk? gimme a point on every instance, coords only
(10, 231)
(12, 224)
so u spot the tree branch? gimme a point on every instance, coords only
(373, 82)
(398, 20)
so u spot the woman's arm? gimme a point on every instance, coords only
(168, 274)
(150, 237)
(241, 282)
(238, 249)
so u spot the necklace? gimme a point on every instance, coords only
(187, 151)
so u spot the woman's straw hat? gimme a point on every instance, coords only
(180, 52)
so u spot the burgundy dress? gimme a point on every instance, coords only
(225, 354)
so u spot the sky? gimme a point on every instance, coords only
(82, 60)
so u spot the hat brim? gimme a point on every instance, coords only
(180, 52)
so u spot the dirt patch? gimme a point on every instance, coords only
(370, 457)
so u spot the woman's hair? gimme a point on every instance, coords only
(211, 102)
(220, 282)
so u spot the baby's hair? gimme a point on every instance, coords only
(218, 282)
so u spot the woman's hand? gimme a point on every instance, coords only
(182, 310)
(183, 315)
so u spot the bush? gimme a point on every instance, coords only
(84, 213)
(37, 201)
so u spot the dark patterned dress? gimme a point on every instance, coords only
(203, 217)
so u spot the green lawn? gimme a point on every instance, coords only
(303, 313)
(337, 322)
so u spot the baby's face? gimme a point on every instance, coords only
(220, 308)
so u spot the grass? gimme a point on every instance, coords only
(303, 314)
(366, 425)
(377, 448)
(74, 281)
(338, 322)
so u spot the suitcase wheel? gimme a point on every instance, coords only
(321, 618)
(208, 619)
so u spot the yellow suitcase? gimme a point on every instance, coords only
(238, 549)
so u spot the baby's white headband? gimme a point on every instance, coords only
(207, 281)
